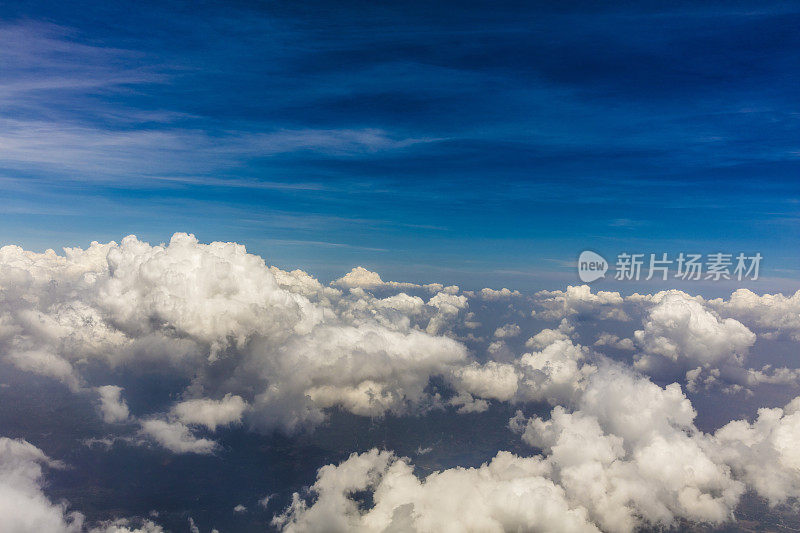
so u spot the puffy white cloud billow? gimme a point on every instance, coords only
(278, 341)
(682, 330)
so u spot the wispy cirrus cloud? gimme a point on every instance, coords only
(64, 116)
(91, 153)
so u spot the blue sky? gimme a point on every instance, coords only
(475, 143)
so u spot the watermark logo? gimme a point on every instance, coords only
(591, 266)
(684, 266)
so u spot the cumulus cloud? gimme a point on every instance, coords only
(275, 345)
(211, 413)
(733, 379)
(174, 430)
(176, 437)
(493, 380)
(278, 341)
(710, 340)
(580, 300)
(448, 306)
(772, 375)
(626, 455)
(547, 336)
(24, 508)
(631, 452)
(275, 349)
(607, 456)
(680, 329)
(361, 278)
(126, 525)
(507, 331)
(775, 314)
(495, 497)
(112, 406)
(608, 339)
(556, 374)
(300, 282)
(494, 294)
(765, 452)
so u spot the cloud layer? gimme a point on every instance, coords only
(276, 346)
(627, 455)
(259, 348)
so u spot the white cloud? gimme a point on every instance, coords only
(580, 300)
(300, 282)
(775, 314)
(608, 339)
(631, 451)
(772, 375)
(405, 304)
(361, 278)
(448, 307)
(210, 413)
(734, 379)
(126, 525)
(294, 346)
(491, 380)
(680, 329)
(548, 336)
(112, 406)
(495, 295)
(765, 452)
(495, 497)
(507, 331)
(24, 508)
(627, 455)
(557, 373)
(44, 363)
(176, 437)
(276, 349)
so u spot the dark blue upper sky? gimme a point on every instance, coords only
(479, 143)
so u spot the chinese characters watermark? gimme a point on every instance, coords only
(685, 266)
